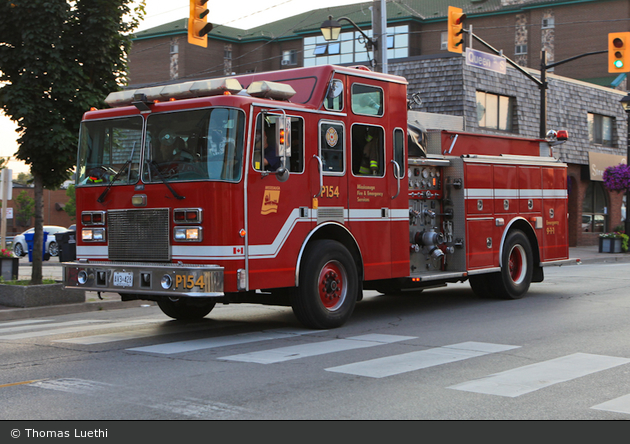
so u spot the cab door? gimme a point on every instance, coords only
(278, 216)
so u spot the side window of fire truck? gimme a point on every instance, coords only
(399, 151)
(367, 100)
(331, 146)
(294, 158)
(108, 150)
(334, 96)
(368, 150)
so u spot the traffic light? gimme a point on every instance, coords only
(198, 26)
(618, 52)
(456, 19)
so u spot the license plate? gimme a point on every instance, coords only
(123, 279)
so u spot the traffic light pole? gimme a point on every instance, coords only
(542, 82)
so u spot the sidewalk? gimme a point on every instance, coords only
(52, 269)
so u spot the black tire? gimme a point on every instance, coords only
(329, 286)
(517, 267)
(53, 249)
(184, 309)
(18, 249)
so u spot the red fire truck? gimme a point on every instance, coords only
(305, 187)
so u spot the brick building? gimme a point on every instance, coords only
(582, 96)
(54, 214)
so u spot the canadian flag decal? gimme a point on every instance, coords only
(239, 250)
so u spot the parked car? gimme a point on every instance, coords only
(20, 248)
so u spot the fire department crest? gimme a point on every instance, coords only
(332, 137)
(270, 200)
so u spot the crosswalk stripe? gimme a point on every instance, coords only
(108, 337)
(618, 405)
(522, 380)
(314, 349)
(407, 362)
(75, 327)
(4, 325)
(223, 341)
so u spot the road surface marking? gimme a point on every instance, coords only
(618, 405)
(289, 353)
(73, 327)
(522, 380)
(408, 362)
(222, 341)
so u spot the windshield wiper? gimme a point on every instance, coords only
(153, 165)
(117, 175)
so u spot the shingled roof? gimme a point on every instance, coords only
(296, 26)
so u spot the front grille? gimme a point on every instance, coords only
(139, 235)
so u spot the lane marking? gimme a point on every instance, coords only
(223, 341)
(91, 325)
(289, 353)
(617, 405)
(17, 328)
(12, 384)
(529, 378)
(408, 362)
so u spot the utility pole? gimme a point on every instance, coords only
(379, 34)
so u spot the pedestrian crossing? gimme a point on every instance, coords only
(282, 345)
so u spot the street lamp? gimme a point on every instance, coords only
(331, 29)
(625, 102)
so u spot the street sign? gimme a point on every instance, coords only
(485, 61)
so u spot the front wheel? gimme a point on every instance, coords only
(329, 286)
(53, 249)
(517, 267)
(18, 249)
(184, 309)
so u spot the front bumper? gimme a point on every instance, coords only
(145, 278)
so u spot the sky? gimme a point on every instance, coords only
(243, 14)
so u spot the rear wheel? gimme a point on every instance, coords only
(53, 249)
(517, 266)
(184, 309)
(329, 286)
(18, 249)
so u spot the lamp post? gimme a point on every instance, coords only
(332, 28)
(625, 102)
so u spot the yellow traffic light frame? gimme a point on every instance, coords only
(619, 52)
(455, 29)
(198, 26)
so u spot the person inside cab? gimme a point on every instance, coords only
(271, 161)
(370, 156)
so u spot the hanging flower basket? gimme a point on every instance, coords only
(617, 178)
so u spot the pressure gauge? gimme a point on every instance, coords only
(425, 173)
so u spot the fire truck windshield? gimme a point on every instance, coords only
(204, 144)
(106, 147)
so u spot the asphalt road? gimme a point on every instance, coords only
(561, 352)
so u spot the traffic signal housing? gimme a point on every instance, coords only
(455, 30)
(619, 52)
(198, 26)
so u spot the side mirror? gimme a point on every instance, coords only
(282, 174)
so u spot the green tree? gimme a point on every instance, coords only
(71, 206)
(24, 178)
(24, 209)
(58, 58)
(4, 162)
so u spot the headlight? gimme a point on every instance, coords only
(187, 234)
(93, 234)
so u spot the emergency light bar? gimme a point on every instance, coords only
(200, 88)
(270, 90)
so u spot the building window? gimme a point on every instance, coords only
(494, 111)
(444, 41)
(600, 129)
(594, 209)
(350, 48)
(289, 57)
(520, 50)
